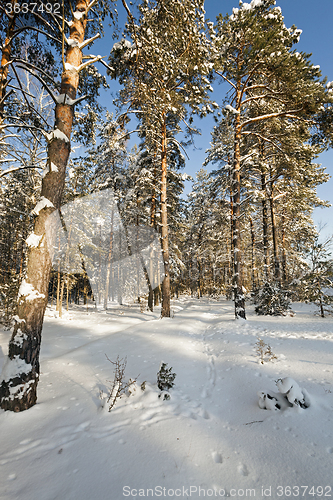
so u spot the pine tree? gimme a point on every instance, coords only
(317, 284)
(268, 82)
(164, 72)
(18, 390)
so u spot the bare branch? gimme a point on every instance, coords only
(89, 40)
(33, 28)
(15, 169)
(226, 79)
(41, 80)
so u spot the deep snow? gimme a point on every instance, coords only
(211, 439)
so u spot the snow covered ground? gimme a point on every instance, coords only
(210, 439)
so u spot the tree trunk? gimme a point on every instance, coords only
(109, 264)
(18, 390)
(252, 256)
(277, 275)
(265, 226)
(284, 257)
(231, 258)
(322, 313)
(153, 225)
(5, 59)
(239, 298)
(165, 312)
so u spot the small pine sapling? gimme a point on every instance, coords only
(165, 380)
(119, 386)
(264, 350)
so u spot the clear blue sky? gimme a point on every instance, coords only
(315, 21)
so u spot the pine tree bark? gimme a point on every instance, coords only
(165, 312)
(265, 226)
(252, 256)
(277, 274)
(239, 298)
(19, 392)
(284, 258)
(231, 259)
(5, 60)
(153, 225)
(109, 264)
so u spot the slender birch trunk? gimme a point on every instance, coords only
(20, 376)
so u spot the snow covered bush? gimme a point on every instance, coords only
(264, 351)
(165, 380)
(119, 386)
(272, 300)
(290, 395)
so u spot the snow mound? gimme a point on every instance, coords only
(290, 395)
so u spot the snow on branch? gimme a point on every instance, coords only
(231, 109)
(56, 134)
(92, 59)
(72, 42)
(29, 292)
(287, 114)
(65, 99)
(43, 203)
(14, 367)
(89, 40)
(33, 240)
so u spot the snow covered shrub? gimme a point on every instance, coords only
(272, 300)
(165, 380)
(264, 351)
(290, 395)
(119, 386)
(292, 391)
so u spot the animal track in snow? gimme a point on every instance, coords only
(243, 470)
(211, 370)
(217, 457)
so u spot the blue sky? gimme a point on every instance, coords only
(314, 19)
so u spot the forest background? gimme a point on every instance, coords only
(315, 22)
(245, 230)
